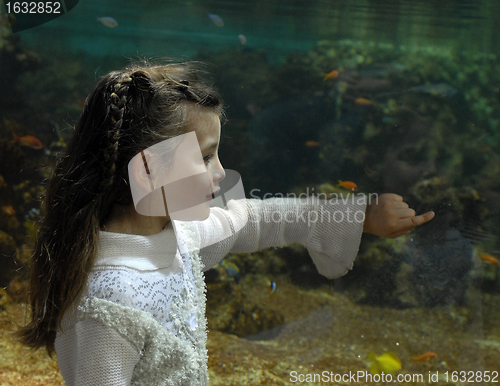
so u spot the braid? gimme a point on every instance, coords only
(115, 112)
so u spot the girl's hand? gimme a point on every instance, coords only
(389, 216)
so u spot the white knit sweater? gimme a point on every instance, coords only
(141, 319)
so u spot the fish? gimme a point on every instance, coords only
(425, 357)
(488, 258)
(331, 75)
(242, 39)
(108, 21)
(32, 214)
(273, 288)
(363, 101)
(311, 143)
(8, 210)
(232, 271)
(29, 141)
(216, 19)
(438, 89)
(387, 363)
(349, 185)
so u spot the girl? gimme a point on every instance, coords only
(120, 296)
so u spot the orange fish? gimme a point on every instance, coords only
(312, 143)
(488, 259)
(8, 210)
(363, 101)
(29, 141)
(349, 185)
(331, 75)
(425, 357)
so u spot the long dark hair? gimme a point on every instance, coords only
(128, 111)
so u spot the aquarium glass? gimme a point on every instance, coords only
(325, 101)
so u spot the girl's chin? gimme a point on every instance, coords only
(196, 213)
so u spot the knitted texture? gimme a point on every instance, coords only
(141, 318)
(330, 230)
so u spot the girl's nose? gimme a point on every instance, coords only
(218, 175)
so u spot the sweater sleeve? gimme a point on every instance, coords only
(330, 230)
(93, 354)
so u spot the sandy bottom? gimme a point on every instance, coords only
(324, 333)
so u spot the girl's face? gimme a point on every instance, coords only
(206, 125)
(194, 198)
(178, 177)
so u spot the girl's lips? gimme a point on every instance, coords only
(210, 197)
(213, 193)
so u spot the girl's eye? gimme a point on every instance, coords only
(207, 158)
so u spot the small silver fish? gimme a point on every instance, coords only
(242, 39)
(108, 21)
(438, 89)
(217, 20)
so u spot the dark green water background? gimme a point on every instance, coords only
(179, 28)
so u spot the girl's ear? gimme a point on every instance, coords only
(140, 172)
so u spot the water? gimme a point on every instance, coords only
(178, 28)
(414, 110)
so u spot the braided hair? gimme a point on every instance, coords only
(128, 111)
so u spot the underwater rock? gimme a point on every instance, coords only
(375, 272)
(440, 267)
(231, 312)
(5, 299)
(18, 289)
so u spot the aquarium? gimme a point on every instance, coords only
(324, 100)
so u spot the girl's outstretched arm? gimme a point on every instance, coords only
(389, 216)
(330, 230)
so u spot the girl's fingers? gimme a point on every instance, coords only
(411, 222)
(404, 213)
(400, 205)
